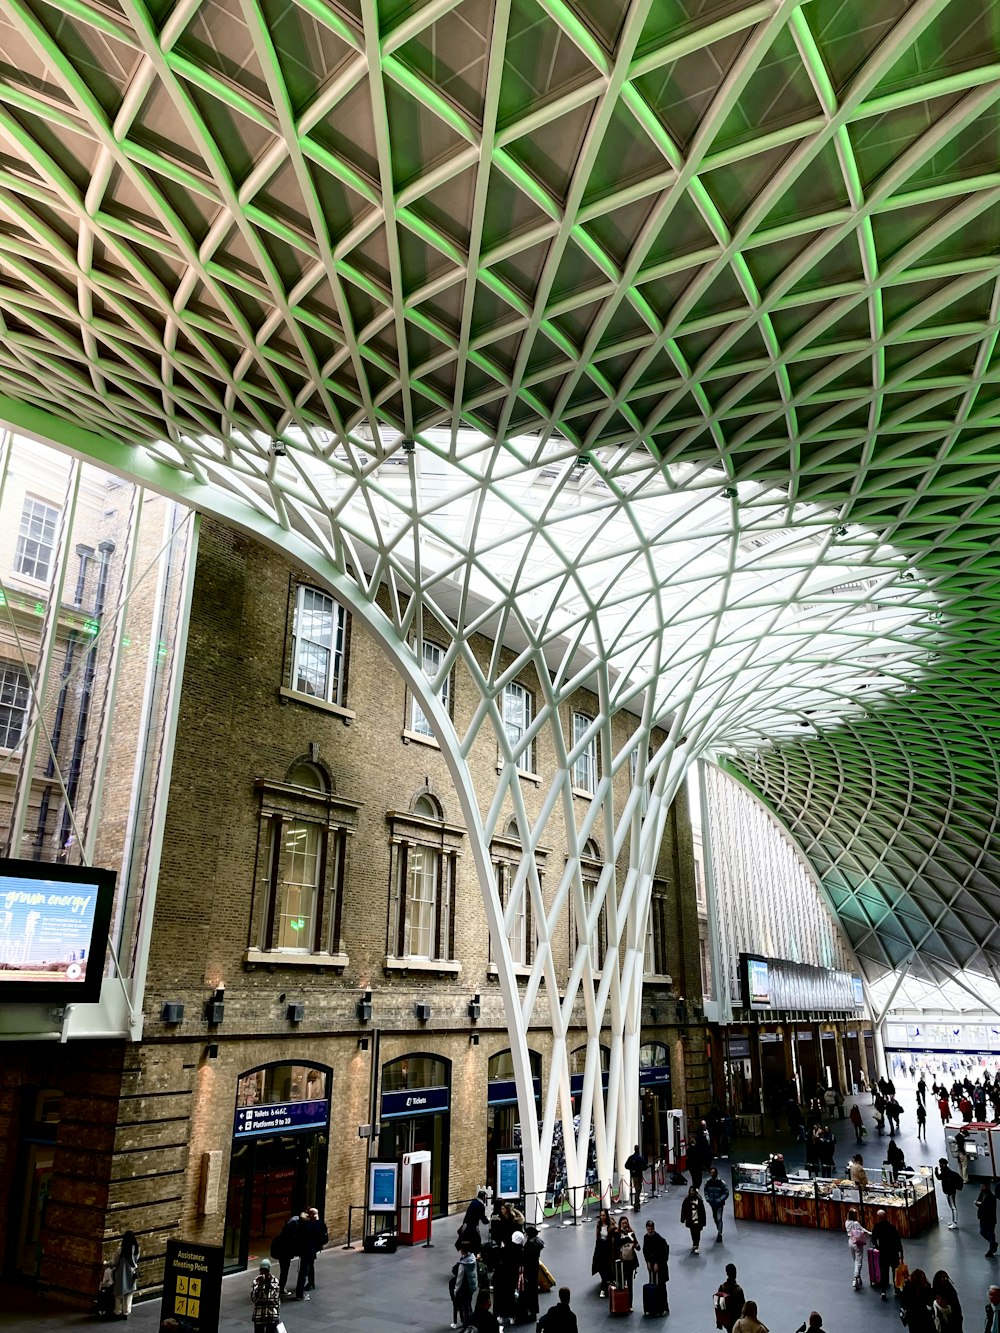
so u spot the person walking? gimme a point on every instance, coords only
(603, 1263)
(856, 1170)
(699, 1157)
(627, 1253)
(693, 1216)
(857, 1122)
(466, 1283)
(313, 1235)
(946, 1295)
(857, 1241)
(951, 1183)
(915, 1302)
(814, 1324)
(728, 1300)
(656, 1253)
(531, 1257)
(475, 1215)
(265, 1295)
(992, 1324)
(961, 1156)
(944, 1108)
(748, 1321)
(716, 1194)
(887, 1240)
(986, 1211)
(559, 1318)
(635, 1165)
(921, 1122)
(125, 1274)
(285, 1248)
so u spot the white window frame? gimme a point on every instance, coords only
(431, 655)
(36, 545)
(514, 693)
(333, 684)
(585, 764)
(599, 936)
(306, 889)
(421, 876)
(14, 681)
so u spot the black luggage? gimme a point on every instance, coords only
(654, 1299)
(104, 1306)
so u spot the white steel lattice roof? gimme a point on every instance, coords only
(660, 332)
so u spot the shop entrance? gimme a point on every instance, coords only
(415, 1116)
(279, 1155)
(655, 1100)
(503, 1122)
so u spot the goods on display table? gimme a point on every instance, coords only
(817, 1202)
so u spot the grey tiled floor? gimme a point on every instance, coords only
(788, 1271)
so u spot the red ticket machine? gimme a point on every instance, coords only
(415, 1198)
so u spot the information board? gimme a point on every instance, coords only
(508, 1175)
(383, 1187)
(283, 1117)
(192, 1288)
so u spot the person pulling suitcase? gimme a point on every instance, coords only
(656, 1252)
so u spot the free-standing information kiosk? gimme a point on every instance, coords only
(415, 1198)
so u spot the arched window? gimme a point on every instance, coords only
(301, 860)
(424, 872)
(591, 865)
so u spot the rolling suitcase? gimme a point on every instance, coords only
(654, 1299)
(874, 1267)
(618, 1301)
(619, 1296)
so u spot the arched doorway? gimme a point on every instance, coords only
(415, 1116)
(655, 1099)
(277, 1167)
(503, 1123)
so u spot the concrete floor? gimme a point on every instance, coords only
(787, 1271)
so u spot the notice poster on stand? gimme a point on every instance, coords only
(192, 1288)
(508, 1175)
(383, 1187)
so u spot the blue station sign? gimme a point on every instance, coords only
(280, 1118)
(416, 1101)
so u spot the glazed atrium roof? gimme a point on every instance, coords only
(660, 334)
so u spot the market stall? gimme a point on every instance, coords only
(815, 1202)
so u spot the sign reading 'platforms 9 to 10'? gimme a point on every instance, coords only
(192, 1288)
(283, 1117)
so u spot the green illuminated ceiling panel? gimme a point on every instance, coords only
(709, 247)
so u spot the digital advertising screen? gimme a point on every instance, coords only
(53, 931)
(757, 982)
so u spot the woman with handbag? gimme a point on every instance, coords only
(916, 1303)
(627, 1253)
(857, 1241)
(603, 1263)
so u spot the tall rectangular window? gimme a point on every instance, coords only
(585, 766)
(298, 885)
(431, 657)
(36, 540)
(318, 646)
(599, 937)
(516, 721)
(421, 902)
(15, 695)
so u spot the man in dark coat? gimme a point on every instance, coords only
(656, 1253)
(285, 1248)
(635, 1165)
(475, 1214)
(986, 1210)
(887, 1240)
(313, 1235)
(730, 1307)
(559, 1318)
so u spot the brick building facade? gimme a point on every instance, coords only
(267, 778)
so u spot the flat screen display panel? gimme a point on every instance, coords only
(53, 931)
(757, 983)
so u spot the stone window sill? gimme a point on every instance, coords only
(348, 714)
(524, 775)
(521, 971)
(418, 738)
(583, 793)
(449, 965)
(279, 958)
(657, 979)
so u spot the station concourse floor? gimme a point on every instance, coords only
(786, 1270)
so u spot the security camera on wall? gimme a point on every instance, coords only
(53, 931)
